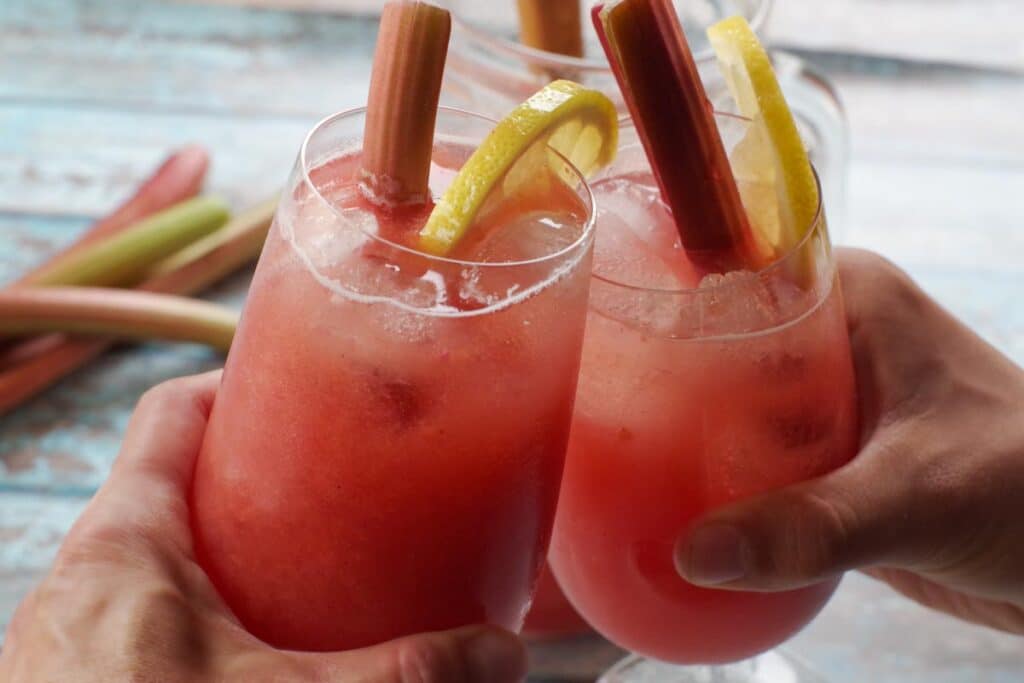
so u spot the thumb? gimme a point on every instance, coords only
(872, 511)
(474, 654)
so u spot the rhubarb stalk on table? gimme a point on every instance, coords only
(24, 375)
(405, 87)
(121, 260)
(178, 178)
(674, 119)
(126, 314)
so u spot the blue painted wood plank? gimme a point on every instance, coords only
(28, 240)
(870, 633)
(129, 54)
(94, 93)
(31, 529)
(65, 440)
(82, 161)
(963, 217)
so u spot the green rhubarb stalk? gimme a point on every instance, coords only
(119, 313)
(209, 259)
(178, 178)
(27, 375)
(405, 87)
(123, 259)
(674, 119)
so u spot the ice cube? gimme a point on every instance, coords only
(620, 255)
(637, 203)
(330, 238)
(637, 240)
(529, 236)
(738, 302)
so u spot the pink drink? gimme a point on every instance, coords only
(691, 398)
(385, 451)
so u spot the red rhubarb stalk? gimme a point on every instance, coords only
(209, 260)
(125, 314)
(33, 374)
(178, 178)
(34, 366)
(405, 87)
(674, 119)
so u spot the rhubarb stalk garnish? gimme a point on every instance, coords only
(552, 26)
(674, 119)
(123, 313)
(405, 86)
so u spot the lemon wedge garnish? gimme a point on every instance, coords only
(771, 162)
(580, 124)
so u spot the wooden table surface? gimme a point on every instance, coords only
(94, 92)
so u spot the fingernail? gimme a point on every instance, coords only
(496, 656)
(713, 555)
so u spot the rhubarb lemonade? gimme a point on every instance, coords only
(716, 363)
(693, 393)
(385, 451)
(384, 454)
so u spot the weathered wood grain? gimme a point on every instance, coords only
(981, 32)
(985, 33)
(31, 529)
(93, 93)
(65, 440)
(955, 216)
(932, 117)
(173, 58)
(80, 161)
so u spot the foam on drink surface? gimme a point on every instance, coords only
(648, 280)
(368, 253)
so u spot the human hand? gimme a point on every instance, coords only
(934, 502)
(125, 599)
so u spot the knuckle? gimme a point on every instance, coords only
(90, 542)
(426, 661)
(872, 264)
(159, 396)
(103, 542)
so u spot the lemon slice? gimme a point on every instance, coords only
(580, 124)
(771, 162)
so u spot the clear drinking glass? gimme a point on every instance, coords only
(490, 71)
(694, 393)
(384, 452)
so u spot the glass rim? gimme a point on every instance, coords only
(586, 234)
(817, 220)
(588, 64)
